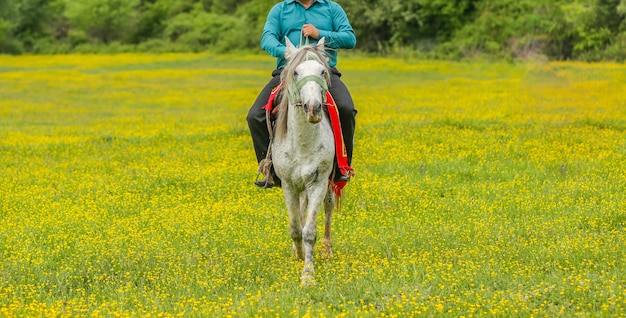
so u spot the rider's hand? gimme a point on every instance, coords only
(309, 30)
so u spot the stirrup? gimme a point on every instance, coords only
(341, 178)
(263, 184)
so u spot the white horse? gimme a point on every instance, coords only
(304, 149)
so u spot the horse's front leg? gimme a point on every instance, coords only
(292, 200)
(309, 231)
(297, 248)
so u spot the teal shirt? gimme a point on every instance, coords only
(287, 18)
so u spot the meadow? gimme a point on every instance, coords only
(482, 189)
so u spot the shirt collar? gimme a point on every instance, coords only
(292, 1)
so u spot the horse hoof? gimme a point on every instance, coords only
(327, 253)
(307, 275)
(327, 249)
(307, 280)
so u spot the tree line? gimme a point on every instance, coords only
(588, 30)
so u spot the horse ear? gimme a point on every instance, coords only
(290, 48)
(321, 44)
(321, 47)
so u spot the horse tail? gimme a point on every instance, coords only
(338, 201)
(337, 194)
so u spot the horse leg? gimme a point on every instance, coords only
(304, 202)
(329, 205)
(295, 224)
(309, 232)
(297, 248)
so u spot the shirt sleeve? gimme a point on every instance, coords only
(343, 36)
(270, 40)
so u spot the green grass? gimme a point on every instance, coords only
(481, 190)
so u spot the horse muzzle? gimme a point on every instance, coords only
(313, 112)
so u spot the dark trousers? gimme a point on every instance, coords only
(341, 95)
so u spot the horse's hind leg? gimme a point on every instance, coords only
(327, 242)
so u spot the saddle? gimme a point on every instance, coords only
(271, 107)
(274, 100)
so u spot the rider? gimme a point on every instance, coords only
(311, 19)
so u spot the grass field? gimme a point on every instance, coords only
(481, 190)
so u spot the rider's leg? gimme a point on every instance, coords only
(257, 118)
(257, 122)
(347, 113)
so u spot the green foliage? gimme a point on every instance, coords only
(48, 45)
(383, 25)
(77, 37)
(588, 30)
(223, 6)
(621, 8)
(5, 28)
(32, 16)
(7, 43)
(199, 30)
(580, 19)
(152, 20)
(7, 25)
(103, 20)
(497, 32)
(450, 29)
(250, 27)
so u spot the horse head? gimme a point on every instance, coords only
(307, 76)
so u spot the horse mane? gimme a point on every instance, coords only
(287, 76)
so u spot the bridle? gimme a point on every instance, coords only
(294, 91)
